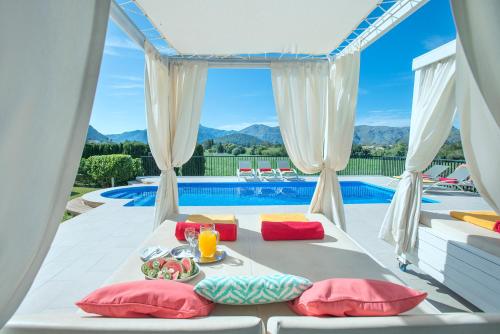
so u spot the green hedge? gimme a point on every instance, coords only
(101, 168)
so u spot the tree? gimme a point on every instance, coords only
(238, 150)
(207, 144)
(220, 148)
(196, 165)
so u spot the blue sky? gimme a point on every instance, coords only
(235, 99)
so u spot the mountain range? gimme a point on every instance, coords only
(260, 134)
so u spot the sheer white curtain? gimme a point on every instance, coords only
(478, 98)
(316, 102)
(49, 64)
(342, 98)
(432, 114)
(174, 94)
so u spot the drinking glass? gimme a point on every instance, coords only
(192, 238)
(208, 240)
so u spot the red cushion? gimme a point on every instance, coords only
(448, 180)
(342, 297)
(292, 231)
(227, 232)
(265, 169)
(285, 169)
(496, 227)
(245, 169)
(147, 298)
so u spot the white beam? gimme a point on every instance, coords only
(390, 19)
(439, 53)
(125, 23)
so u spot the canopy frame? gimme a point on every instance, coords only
(368, 31)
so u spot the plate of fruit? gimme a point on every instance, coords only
(169, 268)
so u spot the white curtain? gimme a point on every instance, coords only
(478, 98)
(433, 110)
(316, 102)
(49, 65)
(342, 98)
(174, 94)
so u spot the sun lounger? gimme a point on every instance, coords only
(431, 175)
(457, 180)
(264, 170)
(245, 170)
(285, 172)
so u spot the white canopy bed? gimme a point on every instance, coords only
(51, 122)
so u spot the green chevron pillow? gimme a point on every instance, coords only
(251, 290)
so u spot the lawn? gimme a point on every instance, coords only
(80, 191)
(75, 193)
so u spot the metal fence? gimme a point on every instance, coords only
(226, 165)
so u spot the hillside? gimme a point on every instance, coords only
(95, 136)
(379, 135)
(136, 135)
(387, 135)
(205, 133)
(240, 139)
(263, 132)
(260, 134)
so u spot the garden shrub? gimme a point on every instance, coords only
(101, 168)
(195, 166)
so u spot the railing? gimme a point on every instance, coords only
(226, 165)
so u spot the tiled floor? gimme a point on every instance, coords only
(89, 247)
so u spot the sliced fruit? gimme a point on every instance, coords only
(156, 264)
(187, 265)
(175, 275)
(145, 267)
(175, 265)
(152, 273)
(163, 274)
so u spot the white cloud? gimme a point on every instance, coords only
(126, 85)
(128, 78)
(434, 41)
(115, 46)
(387, 117)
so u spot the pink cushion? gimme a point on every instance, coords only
(142, 299)
(356, 297)
(448, 180)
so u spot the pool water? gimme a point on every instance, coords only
(254, 193)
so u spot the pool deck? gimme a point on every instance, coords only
(87, 249)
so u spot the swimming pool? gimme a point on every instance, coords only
(254, 193)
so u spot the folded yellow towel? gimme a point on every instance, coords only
(424, 180)
(485, 219)
(283, 217)
(211, 219)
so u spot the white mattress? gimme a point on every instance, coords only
(445, 252)
(463, 232)
(335, 256)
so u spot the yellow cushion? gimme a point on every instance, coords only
(211, 219)
(485, 219)
(283, 217)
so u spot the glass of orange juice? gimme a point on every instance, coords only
(207, 240)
